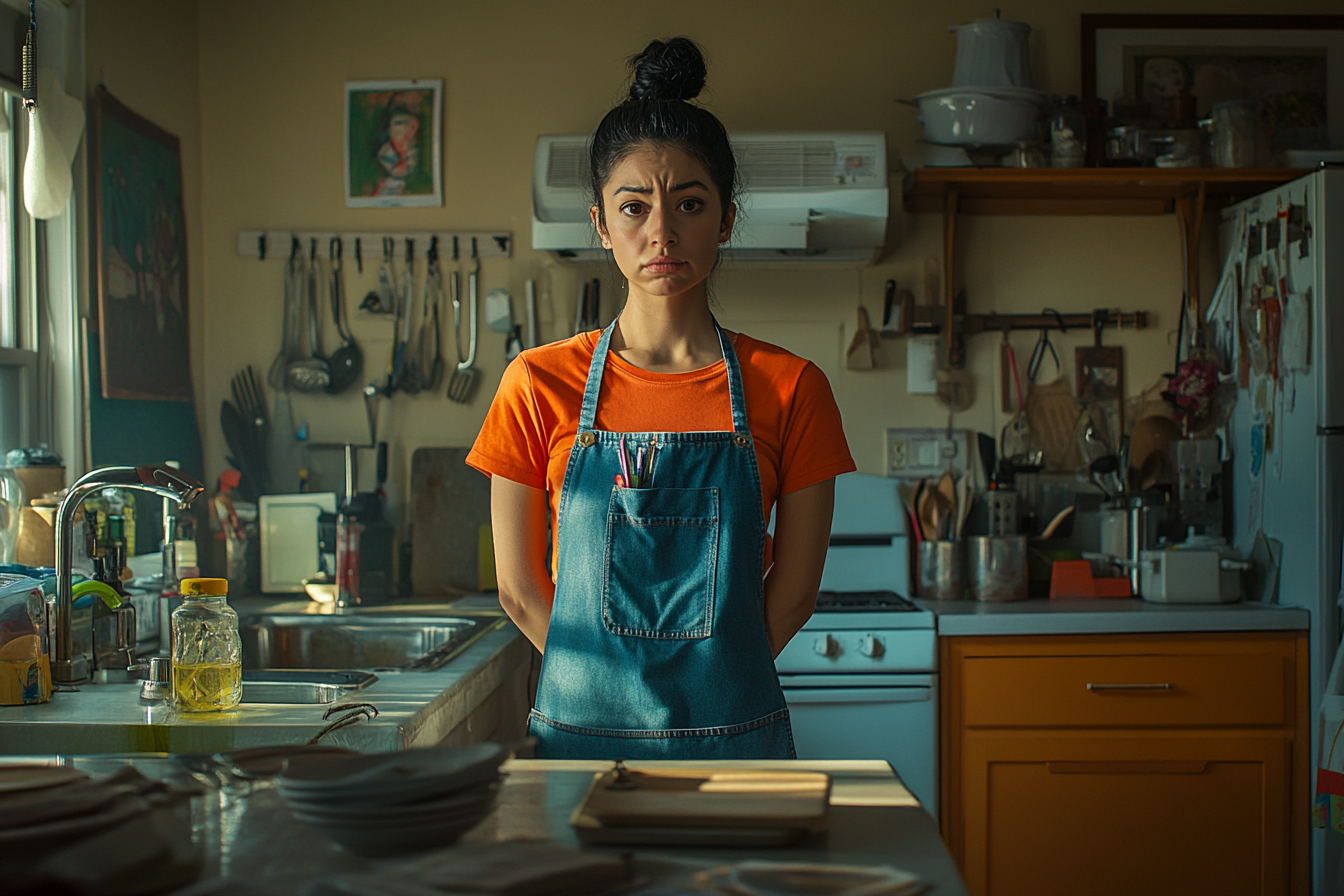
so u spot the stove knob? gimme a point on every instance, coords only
(826, 646)
(871, 646)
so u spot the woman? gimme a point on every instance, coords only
(655, 450)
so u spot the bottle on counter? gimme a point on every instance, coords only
(207, 650)
(1068, 134)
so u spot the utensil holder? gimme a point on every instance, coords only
(998, 567)
(942, 570)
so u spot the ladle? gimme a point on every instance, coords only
(311, 374)
(347, 362)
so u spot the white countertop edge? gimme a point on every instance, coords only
(1110, 616)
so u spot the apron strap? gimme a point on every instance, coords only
(736, 396)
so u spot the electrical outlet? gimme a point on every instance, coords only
(896, 454)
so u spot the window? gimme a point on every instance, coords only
(18, 299)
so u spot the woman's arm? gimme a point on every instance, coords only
(519, 519)
(802, 534)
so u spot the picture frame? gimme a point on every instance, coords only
(140, 244)
(393, 143)
(1293, 65)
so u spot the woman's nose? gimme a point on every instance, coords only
(661, 232)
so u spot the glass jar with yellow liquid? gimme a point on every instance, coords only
(207, 651)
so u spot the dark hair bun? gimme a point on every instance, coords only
(668, 70)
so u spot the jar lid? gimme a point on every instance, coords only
(206, 587)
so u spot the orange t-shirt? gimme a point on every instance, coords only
(795, 424)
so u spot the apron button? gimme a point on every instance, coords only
(742, 440)
(586, 439)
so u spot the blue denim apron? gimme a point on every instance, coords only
(657, 646)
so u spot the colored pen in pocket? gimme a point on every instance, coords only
(639, 467)
(625, 464)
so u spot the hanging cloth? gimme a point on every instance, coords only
(55, 126)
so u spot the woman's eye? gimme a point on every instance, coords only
(632, 208)
(689, 205)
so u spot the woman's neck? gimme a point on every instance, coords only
(667, 334)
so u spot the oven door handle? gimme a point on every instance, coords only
(812, 696)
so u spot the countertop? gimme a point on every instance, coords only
(1101, 616)
(415, 708)
(263, 851)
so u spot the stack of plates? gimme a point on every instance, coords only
(385, 804)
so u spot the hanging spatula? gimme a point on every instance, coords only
(462, 383)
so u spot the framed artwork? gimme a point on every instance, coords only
(140, 240)
(1291, 66)
(393, 149)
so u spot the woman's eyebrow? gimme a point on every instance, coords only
(676, 188)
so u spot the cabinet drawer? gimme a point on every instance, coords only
(1171, 689)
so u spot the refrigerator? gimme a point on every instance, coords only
(1286, 432)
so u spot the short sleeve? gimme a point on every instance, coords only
(813, 448)
(512, 442)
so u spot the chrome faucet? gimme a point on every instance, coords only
(69, 666)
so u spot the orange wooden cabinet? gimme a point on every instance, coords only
(1124, 764)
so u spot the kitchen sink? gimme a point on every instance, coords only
(302, 685)
(393, 643)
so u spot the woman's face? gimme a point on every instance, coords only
(401, 130)
(665, 220)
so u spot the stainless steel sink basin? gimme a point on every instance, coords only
(407, 643)
(302, 685)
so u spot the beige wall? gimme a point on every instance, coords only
(270, 88)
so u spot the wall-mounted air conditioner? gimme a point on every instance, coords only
(816, 197)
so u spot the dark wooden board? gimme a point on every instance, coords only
(450, 502)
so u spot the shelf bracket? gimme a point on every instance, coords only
(1190, 219)
(956, 355)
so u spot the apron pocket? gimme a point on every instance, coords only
(659, 566)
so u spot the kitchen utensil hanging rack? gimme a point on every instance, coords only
(267, 244)
(930, 319)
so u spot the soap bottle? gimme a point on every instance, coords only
(207, 650)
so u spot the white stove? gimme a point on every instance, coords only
(861, 677)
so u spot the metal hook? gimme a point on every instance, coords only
(410, 250)
(294, 247)
(455, 256)
(433, 249)
(312, 249)
(359, 254)
(261, 247)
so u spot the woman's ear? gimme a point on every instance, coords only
(726, 227)
(597, 225)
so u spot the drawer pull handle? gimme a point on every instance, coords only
(1129, 767)
(1151, 686)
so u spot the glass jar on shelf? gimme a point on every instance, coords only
(1068, 134)
(207, 650)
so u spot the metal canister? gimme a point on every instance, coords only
(942, 570)
(998, 567)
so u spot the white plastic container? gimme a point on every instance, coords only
(992, 53)
(1200, 570)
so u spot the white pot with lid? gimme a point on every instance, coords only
(992, 53)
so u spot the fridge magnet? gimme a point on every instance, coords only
(393, 143)
(1276, 70)
(140, 244)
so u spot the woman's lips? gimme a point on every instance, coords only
(664, 265)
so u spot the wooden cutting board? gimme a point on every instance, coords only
(715, 802)
(450, 502)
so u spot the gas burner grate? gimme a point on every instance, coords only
(861, 601)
